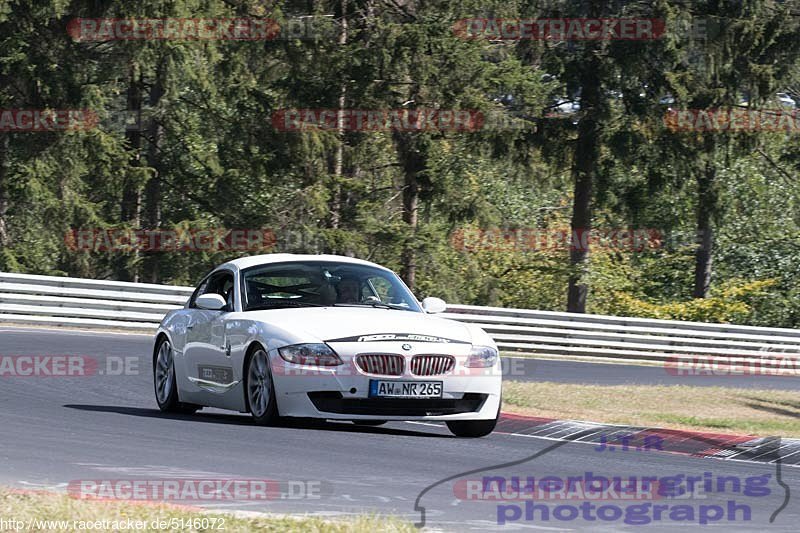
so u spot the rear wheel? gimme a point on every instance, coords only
(165, 383)
(259, 389)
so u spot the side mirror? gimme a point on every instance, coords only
(212, 302)
(433, 305)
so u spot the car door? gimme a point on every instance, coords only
(207, 354)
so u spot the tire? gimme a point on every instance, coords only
(259, 389)
(164, 381)
(473, 428)
(369, 422)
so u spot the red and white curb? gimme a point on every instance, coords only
(692, 443)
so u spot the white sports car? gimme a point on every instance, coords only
(323, 336)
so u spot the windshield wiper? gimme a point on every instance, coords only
(279, 305)
(380, 305)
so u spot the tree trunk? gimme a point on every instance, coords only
(4, 157)
(584, 173)
(413, 162)
(131, 194)
(152, 190)
(410, 212)
(706, 206)
(338, 157)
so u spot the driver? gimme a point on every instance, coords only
(349, 291)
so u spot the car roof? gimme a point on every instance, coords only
(266, 259)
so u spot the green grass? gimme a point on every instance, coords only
(27, 506)
(720, 409)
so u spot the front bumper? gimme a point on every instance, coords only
(342, 393)
(336, 403)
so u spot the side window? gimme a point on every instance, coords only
(201, 289)
(220, 283)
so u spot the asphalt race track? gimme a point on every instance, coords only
(107, 426)
(622, 374)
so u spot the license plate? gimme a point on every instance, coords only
(404, 389)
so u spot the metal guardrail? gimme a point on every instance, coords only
(57, 301)
(584, 335)
(49, 300)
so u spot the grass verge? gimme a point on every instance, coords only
(28, 507)
(714, 409)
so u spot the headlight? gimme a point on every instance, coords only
(482, 357)
(310, 354)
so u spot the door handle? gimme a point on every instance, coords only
(190, 326)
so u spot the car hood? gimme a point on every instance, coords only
(349, 324)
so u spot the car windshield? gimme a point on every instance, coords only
(315, 283)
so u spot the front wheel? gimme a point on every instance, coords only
(259, 389)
